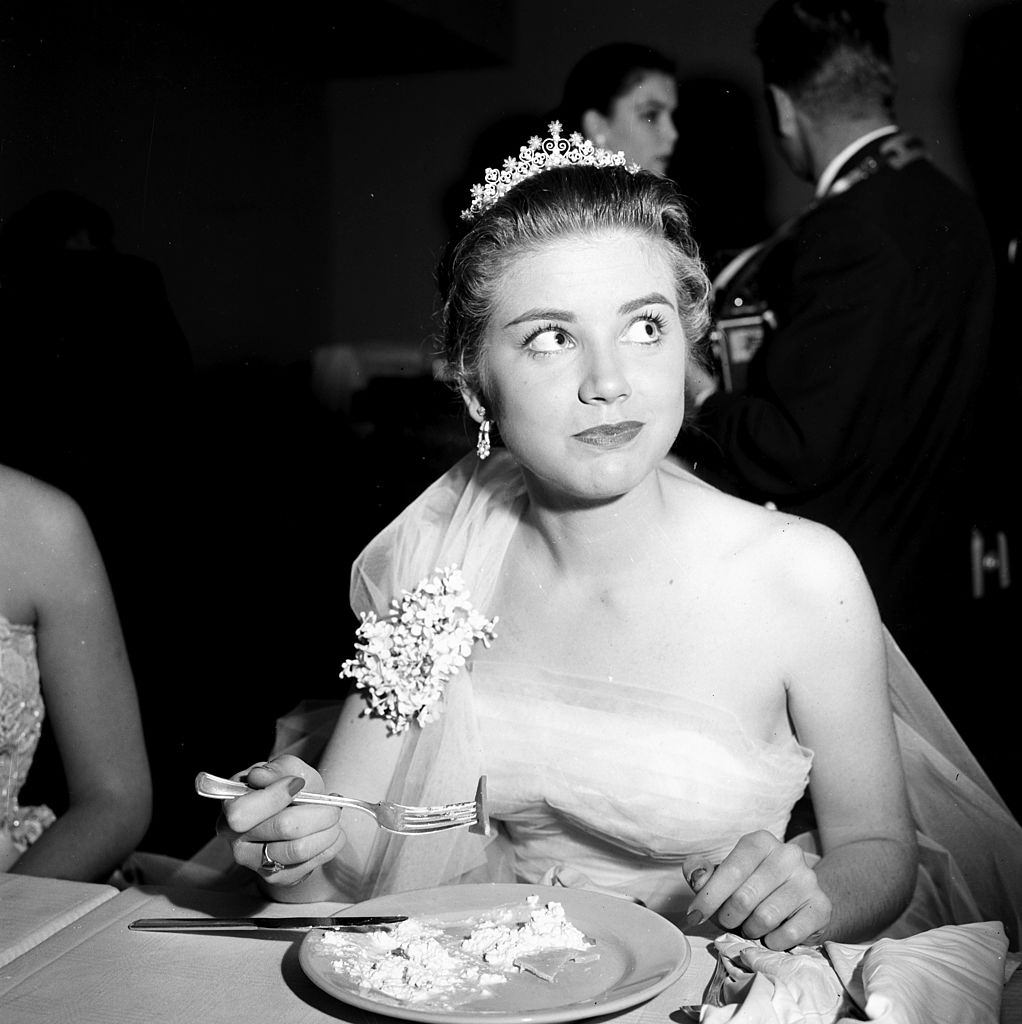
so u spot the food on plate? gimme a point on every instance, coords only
(547, 963)
(444, 964)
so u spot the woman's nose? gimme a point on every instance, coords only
(605, 379)
(670, 131)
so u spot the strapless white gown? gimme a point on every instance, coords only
(613, 783)
(619, 783)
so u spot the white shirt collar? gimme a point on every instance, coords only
(830, 171)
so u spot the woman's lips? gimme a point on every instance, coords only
(610, 435)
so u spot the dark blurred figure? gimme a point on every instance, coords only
(622, 96)
(988, 81)
(854, 342)
(102, 366)
(723, 176)
(97, 379)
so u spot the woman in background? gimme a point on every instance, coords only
(622, 96)
(62, 654)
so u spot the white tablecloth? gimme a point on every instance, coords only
(93, 970)
(33, 909)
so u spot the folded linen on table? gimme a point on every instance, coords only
(954, 973)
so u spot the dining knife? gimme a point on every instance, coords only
(189, 924)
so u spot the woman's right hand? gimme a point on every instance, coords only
(282, 842)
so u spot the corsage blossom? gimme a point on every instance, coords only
(404, 662)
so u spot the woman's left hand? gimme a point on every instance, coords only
(765, 890)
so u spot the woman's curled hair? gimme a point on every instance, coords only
(557, 203)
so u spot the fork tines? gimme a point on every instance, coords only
(434, 824)
(439, 810)
(472, 813)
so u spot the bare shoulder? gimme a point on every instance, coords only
(798, 559)
(810, 555)
(41, 525)
(797, 592)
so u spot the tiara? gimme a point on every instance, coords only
(538, 155)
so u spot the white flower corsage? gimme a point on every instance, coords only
(404, 662)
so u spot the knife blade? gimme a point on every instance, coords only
(188, 924)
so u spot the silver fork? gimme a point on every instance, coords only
(390, 816)
(711, 994)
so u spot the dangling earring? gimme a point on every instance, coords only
(601, 141)
(483, 440)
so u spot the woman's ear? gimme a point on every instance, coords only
(782, 112)
(473, 403)
(594, 127)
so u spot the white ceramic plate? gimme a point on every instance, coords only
(641, 954)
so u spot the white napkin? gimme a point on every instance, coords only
(953, 974)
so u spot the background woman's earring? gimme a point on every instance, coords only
(601, 141)
(483, 440)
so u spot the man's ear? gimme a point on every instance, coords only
(783, 116)
(594, 127)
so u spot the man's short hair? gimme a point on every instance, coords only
(832, 57)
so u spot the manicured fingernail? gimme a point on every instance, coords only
(697, 879)
(694, 918)
(295, 785)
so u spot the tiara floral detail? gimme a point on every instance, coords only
(404, 662)
(539, 155)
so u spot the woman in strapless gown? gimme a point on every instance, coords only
(612, 784)
(62, 654)
(671, 666)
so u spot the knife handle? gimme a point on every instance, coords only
(182, 924)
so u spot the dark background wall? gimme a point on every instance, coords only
(292, 176)
(288, 172)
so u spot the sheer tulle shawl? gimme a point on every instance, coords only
(465, 519)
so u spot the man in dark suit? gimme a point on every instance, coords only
(853, 342)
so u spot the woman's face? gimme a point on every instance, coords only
(584, 364)
(641, 122)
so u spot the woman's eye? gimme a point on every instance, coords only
(644, 332)
(549, 339)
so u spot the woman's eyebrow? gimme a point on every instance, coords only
(653, 299)
(563, 315)
(542, 314)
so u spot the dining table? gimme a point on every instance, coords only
(67, 954)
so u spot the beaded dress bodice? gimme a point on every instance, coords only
(21, 719)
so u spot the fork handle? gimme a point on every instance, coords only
(221, 789)
(226, 789)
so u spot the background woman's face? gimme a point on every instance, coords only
(641, 122)
(584, 363)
